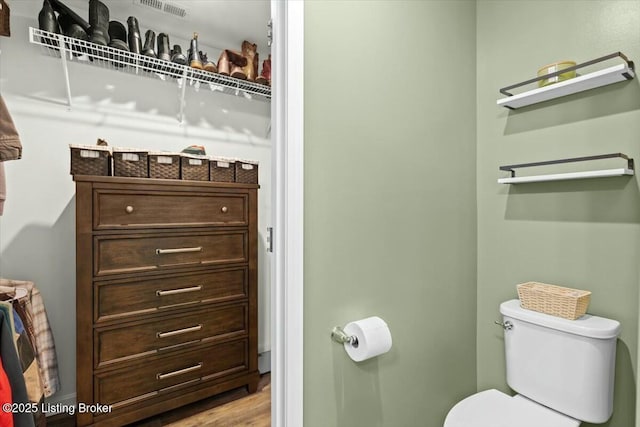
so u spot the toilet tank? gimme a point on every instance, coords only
(566, 365)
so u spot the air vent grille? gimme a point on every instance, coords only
(163, 6)
(174, 10)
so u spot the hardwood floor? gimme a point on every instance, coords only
(235, 408)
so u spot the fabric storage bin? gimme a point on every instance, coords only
(130, 162)
(194, 167)
(555, 300)
(222, 170)
(247, 171)
(90, 160)
(164, 165)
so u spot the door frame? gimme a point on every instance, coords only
(287, 301)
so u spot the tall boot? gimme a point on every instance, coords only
(194, 56)
(99, 21)
(223, 63)
(71, 29)
(118, 36)
(164, 49)
(250, 52)
(149, 43)
(177, 56)
(47, 22)
(135, 42)
(265, 76)
(63, 9)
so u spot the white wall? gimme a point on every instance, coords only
(37, 231)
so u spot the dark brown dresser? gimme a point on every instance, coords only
(166, 294)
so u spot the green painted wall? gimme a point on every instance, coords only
(582, 234)
(390, 212)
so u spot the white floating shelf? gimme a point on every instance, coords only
(566, 176)
(615, 74)
(603, 173)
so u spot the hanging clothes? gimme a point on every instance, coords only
(3, 188)
(10, 146)
(13, 369)
(37, 325)
(6, 418)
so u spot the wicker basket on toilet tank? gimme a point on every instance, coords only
(554, 300)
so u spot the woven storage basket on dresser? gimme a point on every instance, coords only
(194, 167)
(247, 171)
(222, 170)
(164, 165)
(130, 162)
(555, 300)
(90, 160)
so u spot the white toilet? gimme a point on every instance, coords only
(562, 369)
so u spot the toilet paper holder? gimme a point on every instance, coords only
(340, 336)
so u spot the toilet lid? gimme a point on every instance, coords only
(492, 408)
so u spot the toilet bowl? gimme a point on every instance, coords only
(493, 408)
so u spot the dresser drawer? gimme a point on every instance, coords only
(138, 253)
(168, 373)
(129, 209)
(129, 341)
(125, 298)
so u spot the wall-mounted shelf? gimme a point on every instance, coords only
(69, 49)
(607, 76)
(513, 179)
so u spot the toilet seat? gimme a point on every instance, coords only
(492, 408)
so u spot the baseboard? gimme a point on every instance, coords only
(264, 362)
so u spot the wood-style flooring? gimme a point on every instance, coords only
(235, 408)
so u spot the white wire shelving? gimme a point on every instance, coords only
(69, 49)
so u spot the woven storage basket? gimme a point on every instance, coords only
(194, 167)
(130, 162)
(90, 160)
(554, 300)
(247, 171)
(164, 165)
(222, 170)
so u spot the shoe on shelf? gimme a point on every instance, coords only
(47, 21)
(177, 56)
(134, 39)
(99, 23)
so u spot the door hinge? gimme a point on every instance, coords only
(269, 239)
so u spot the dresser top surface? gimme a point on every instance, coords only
(155, 181)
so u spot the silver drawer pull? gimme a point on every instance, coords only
(179, 372)
(224, 209)
(128, 209)
(178, 291)
(179, 331)
(178, 250)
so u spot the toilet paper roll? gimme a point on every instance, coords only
(374, 338)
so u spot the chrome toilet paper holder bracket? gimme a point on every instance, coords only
(340, 336)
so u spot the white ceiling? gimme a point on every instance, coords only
(221, 24)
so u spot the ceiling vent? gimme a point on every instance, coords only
(162, 6)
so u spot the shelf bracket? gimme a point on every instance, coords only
(65, 68)
(182, 95)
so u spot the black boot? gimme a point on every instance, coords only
(99, 21)
(164, 49)
(71, 29)
(135, 42)
(177, 56)
(118, 36)
(149, 43)
(47, 22)
(62, 9)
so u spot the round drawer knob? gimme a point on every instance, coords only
(129, 209)
(224, 209)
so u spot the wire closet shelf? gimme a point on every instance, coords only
(81, 51)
